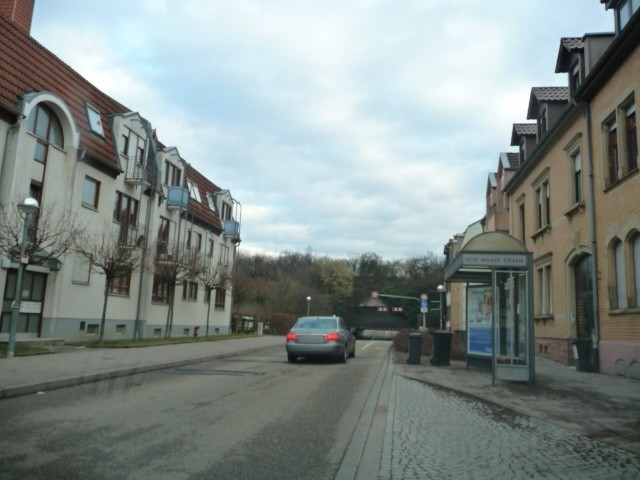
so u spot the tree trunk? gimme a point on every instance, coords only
(104, 310)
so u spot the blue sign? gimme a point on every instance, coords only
(424, 306)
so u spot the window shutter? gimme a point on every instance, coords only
(620, 283)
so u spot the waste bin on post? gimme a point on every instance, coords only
(582, 354)
(415, 347)
(441, 347)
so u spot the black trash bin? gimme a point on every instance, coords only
(441, 348)
(582, 354)
(415, 348)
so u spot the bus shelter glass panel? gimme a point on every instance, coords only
(511, 319)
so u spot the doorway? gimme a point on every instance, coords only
(583, 281)
(32, 300)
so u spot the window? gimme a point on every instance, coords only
(95, 123)
(172, 174)
(574, 82)
(210, 245)
(119, 285)
(576, 162)
(522, 220)
(194, 192)
(626, 9)
(133, 145)
(44, 124)
(226, 211)
(211, 202)
(631, 138)
(194, 240)
(221, 294)
(542, 123)
(90, 192)
(81, 268)
(621, 144)
(189, 290)
(618, 276)
(522, 150)
(635, 264)
(224, 254)
(543, 290)
(612, 152)
(160, 293)
(543, 205)
(125, 212)
(163, 235)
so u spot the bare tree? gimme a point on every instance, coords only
(109, 254)
(180, 263)
(50, 236)
(214, 277)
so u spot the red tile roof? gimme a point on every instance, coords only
(27, 66)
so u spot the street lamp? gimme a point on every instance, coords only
(441, 291)
(308, 305)
(27, 208)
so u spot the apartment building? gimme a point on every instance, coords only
(90, 160)
(573, 198)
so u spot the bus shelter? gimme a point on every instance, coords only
(498, 271)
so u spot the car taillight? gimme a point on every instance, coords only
(292, 336)
(332, 337)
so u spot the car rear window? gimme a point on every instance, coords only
(317, 323)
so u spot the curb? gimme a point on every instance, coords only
(97, 377)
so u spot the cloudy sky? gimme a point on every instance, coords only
(341, 126)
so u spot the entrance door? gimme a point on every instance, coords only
(33, 290)
(584, 297)
(511, 326)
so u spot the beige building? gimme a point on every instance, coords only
(574, 199)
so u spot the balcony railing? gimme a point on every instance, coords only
(132, 235)
(177, 197)
(231, 229)
(135, 171)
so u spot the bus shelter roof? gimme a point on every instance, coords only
(484, 253)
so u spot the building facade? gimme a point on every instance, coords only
(574, 198)
(100, 166)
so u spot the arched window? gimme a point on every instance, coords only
(620, 287)
(45, 125)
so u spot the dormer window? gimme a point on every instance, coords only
(226, 211)
(133, 145)
(523, 150)
(574, 78)
(172, 174)
(542, 123)
(194, 193)
(625, 11)
(95, 122)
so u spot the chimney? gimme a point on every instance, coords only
(18, 12)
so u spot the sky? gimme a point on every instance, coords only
(342, 127)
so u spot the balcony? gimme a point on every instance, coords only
(135, 171)
(231, 229)
(177, 197)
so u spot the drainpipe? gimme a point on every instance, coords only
(595, 334)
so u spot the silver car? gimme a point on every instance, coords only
(320, 336)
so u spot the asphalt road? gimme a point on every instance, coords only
(248, 417)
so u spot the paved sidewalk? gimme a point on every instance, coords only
(605, 407)
(31, 374)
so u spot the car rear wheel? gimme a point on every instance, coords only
(292, 358)
(343, 358)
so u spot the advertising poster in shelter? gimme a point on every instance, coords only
(479, 310)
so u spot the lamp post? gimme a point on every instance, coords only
(441, 291)
(27, 208)
(308, 305)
